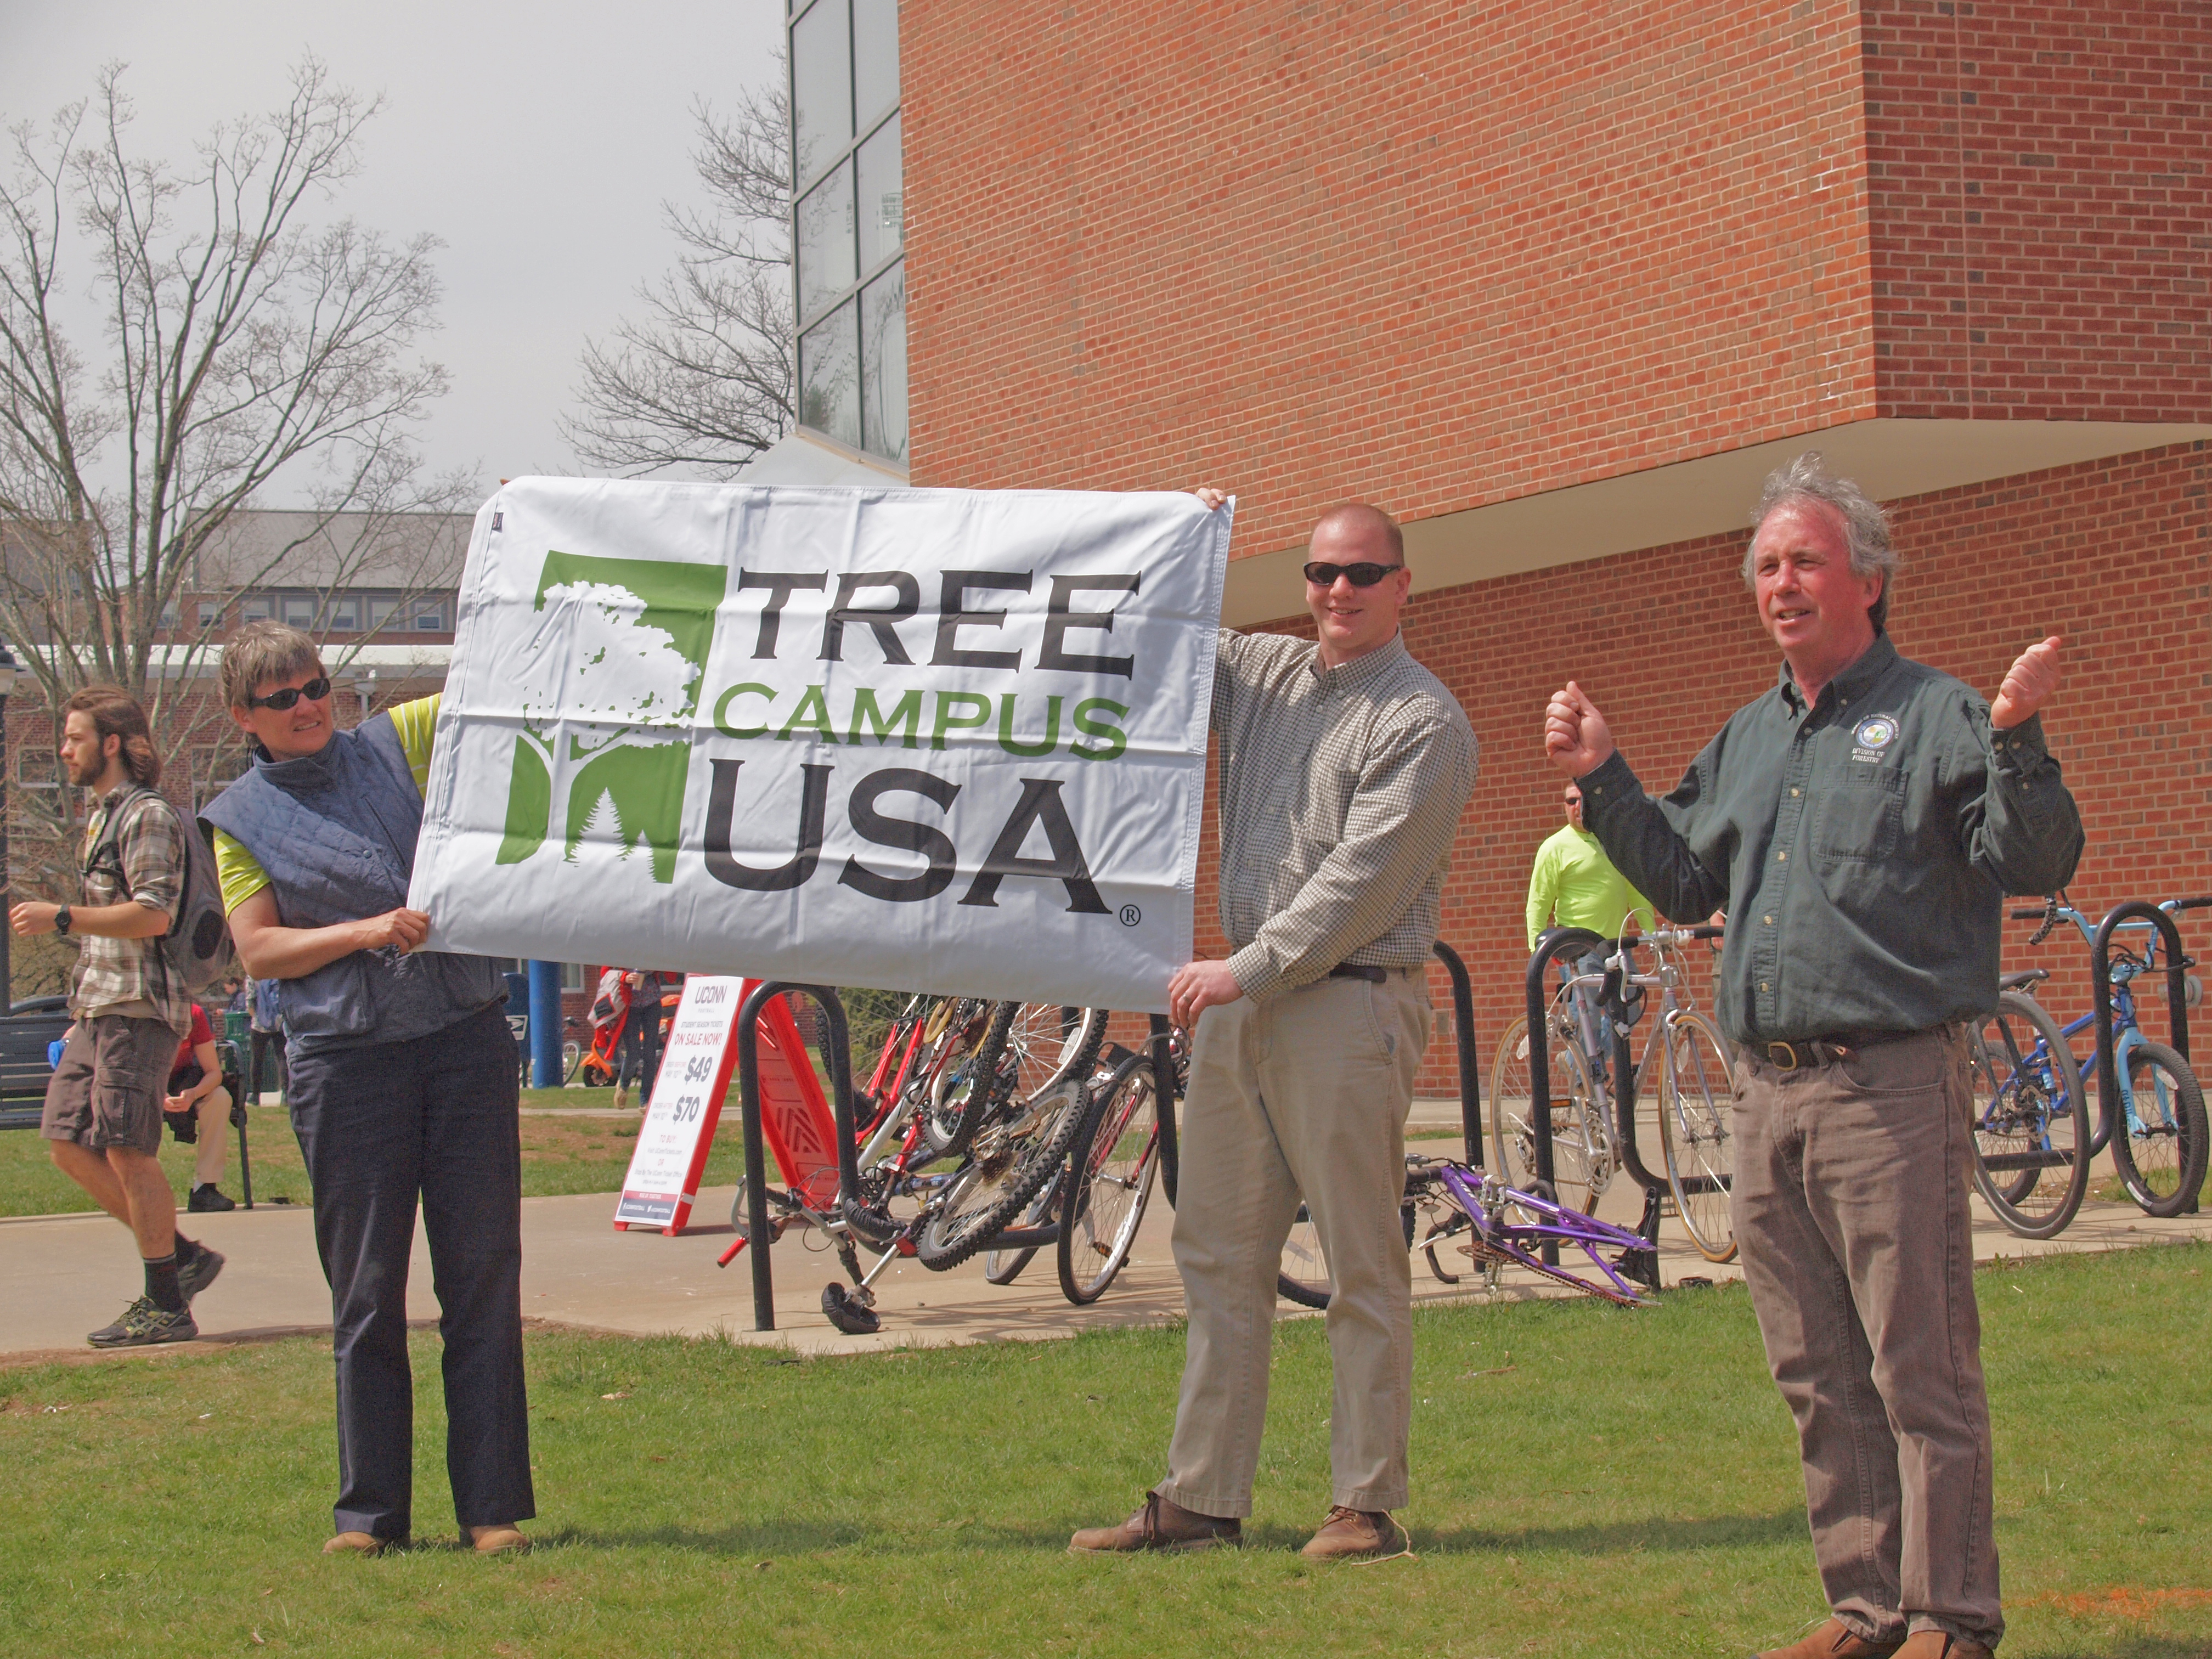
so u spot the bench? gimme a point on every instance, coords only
(24, 1039)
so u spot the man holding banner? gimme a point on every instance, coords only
(1344, 767)
(402, 1083)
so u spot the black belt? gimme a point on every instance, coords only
(1356, 970)
(1826, 1050)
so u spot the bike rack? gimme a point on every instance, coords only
(1470, 1062)
(1555, 942)
(1164, 1102)
(837, 1042)
(2101, 983)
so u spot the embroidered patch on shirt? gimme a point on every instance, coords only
(1874, 734)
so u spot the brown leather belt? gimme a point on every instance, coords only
(1357, 970)
(1826, 1050)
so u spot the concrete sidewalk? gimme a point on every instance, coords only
(62, 1276)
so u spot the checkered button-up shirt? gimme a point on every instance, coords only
(1341, 789)
(116, 971)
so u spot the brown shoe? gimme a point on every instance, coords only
(1935, 1645)
(505, 1538)
(361, 1543)
(1833, 1640)
(1355, 1536)
(1159, 1525)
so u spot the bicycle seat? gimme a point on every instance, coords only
(2026, 976)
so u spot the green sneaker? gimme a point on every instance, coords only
(143, 1324)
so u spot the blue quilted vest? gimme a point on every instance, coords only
(334, 833)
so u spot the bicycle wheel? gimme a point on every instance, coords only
(2030, 1119)
(1697, 1095)
(1012, 1159)
(1113, 1160)
(2162, 1156)
(962, 1076)
(1048, 1045)
(1580, 1148)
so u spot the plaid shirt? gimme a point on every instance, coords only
(112, 971)
(1341, 789)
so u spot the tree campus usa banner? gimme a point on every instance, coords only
(940, 740)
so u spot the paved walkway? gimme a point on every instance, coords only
(61, 1276)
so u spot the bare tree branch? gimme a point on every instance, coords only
(704, 379)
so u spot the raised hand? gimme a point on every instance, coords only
(1575, 735)
(2027, 684)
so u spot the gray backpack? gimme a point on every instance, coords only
(196, 947)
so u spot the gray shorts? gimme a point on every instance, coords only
(107, 1091)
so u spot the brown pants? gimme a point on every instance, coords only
(1850, 1204)
(1303, 1097)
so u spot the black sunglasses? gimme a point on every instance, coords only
(314, 691)
(1363, 574)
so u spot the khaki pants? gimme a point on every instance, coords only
(1850, 1203)
(1303, 1097)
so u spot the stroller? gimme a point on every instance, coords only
(610, 1008)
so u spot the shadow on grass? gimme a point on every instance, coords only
(2119, 1647)
(769, 1538)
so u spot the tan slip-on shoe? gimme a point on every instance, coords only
(504, 1538)
(361, 1543)
(1159, 1524)
(1356, 1535)
(1833, 1640)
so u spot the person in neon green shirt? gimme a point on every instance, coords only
(1574, 884)
(416, 722)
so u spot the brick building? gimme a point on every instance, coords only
(1558, 286)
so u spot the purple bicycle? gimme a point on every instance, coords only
(1496, 1227)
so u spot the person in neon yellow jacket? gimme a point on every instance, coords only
(1574, 884)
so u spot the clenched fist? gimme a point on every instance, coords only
(2027, 683)
(1575, 735)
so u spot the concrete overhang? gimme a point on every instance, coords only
(808, 456)
(1892, 461)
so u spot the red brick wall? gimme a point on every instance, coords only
(2042, 225)
(1436, 255)
(2115, 555)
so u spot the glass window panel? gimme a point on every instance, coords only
(882, 212)
(257, 607)
(345, 614)
(825, 242)
(210, 613)
(429, 615)
(380, 611)
(829, 374)
(822, 85)
(299, 610)
(875, 57)
(882, 353)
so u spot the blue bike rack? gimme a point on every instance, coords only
(2101, 985)
(1553, 943)
(837, 1041)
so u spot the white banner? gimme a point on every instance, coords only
(938, 740)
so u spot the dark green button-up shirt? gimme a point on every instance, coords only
(1862, 847)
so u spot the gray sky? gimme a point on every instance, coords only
(537, 142)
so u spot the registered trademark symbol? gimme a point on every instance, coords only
(1131, 915)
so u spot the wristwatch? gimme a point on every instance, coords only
(62, 920)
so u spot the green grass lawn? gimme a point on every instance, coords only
(559, 1155)
(1588, 1480)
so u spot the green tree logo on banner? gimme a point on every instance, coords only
(608, 688)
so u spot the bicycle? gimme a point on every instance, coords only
(1112, 1164)
(2161, 1158)
(1696, 1085)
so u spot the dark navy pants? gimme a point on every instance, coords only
(379, 1127)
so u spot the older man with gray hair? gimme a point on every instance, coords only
(1862, 823)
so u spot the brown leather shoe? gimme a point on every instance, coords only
(1935, 1645)
(505, 1538)
(1159, 1525)
(361, 1543)
(1355, 1536)
(1833, 1640)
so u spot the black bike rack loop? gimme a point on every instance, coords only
(837, 1042)
(2101, 983)
(1554, 943)
(1164, 1102)
(1470, 1062)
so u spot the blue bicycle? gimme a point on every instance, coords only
(2031, 1099)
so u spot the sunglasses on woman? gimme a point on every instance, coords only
(314, 691)
(1363, 574)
